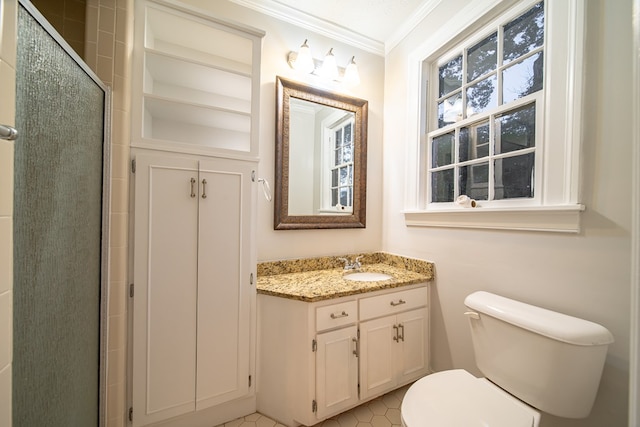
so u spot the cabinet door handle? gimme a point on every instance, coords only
(337, 316)
(395, 333)
(400, 302)
(193, 187)
(356, 352)
(204, 188)
(401, 330)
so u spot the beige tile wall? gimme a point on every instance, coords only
(8, 24)
(108, 52)
(68, 18)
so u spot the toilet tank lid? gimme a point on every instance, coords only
(558, 326)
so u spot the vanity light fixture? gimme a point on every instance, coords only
(303, 62)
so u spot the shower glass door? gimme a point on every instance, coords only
(58, 230)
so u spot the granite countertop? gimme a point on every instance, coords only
(317, 279)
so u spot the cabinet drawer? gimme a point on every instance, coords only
(391, 303)
(331, 316)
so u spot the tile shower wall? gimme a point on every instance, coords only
(68, 18)
(8, 19)
(107, 52)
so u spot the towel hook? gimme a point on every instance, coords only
(266, 189)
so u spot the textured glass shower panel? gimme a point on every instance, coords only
(57, 235)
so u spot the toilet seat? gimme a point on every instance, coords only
(456, 398)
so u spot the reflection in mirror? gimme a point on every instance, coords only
(320, 158)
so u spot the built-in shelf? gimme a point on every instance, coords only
(196, 81)
(185, 81)
(196, 124)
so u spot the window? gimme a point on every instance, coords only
(341, 164)
(492, 123)
(483, 142)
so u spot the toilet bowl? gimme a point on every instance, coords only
(535, 360)
(458, 399)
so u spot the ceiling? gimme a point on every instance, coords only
(373, 25)
(375, 19)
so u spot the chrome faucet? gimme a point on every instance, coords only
(348, 265)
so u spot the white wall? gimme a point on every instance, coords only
(301, 170)
(585, 275)
(280, 39)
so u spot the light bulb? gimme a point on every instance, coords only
(329, 68)
(351, 75)
(304, 60)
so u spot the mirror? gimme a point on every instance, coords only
(321, 158)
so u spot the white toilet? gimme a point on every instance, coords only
(533, 359)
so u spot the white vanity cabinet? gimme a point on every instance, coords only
(315, 357)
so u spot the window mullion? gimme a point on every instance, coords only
(492, 144)
(456, 158)
(499, 55)
(463, 88)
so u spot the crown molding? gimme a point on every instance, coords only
(415, 19)
(337, 32)
(317, 25)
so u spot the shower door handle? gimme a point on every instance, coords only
(8, 132)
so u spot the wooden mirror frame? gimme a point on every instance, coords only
(285, 90)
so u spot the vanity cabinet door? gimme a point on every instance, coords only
(377, 356)
(336, 371)
(393, 351)
(412, 357)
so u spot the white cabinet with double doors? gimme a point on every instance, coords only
(193, 284)
(318, 359)
(195, 97)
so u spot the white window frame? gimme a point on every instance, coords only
(329, 125)
(556, 206)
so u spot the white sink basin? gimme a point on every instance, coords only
(367, 276)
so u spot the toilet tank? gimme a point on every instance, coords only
(549, 360)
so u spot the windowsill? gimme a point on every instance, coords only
(559, 219)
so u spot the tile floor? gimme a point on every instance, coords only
(383, 411)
